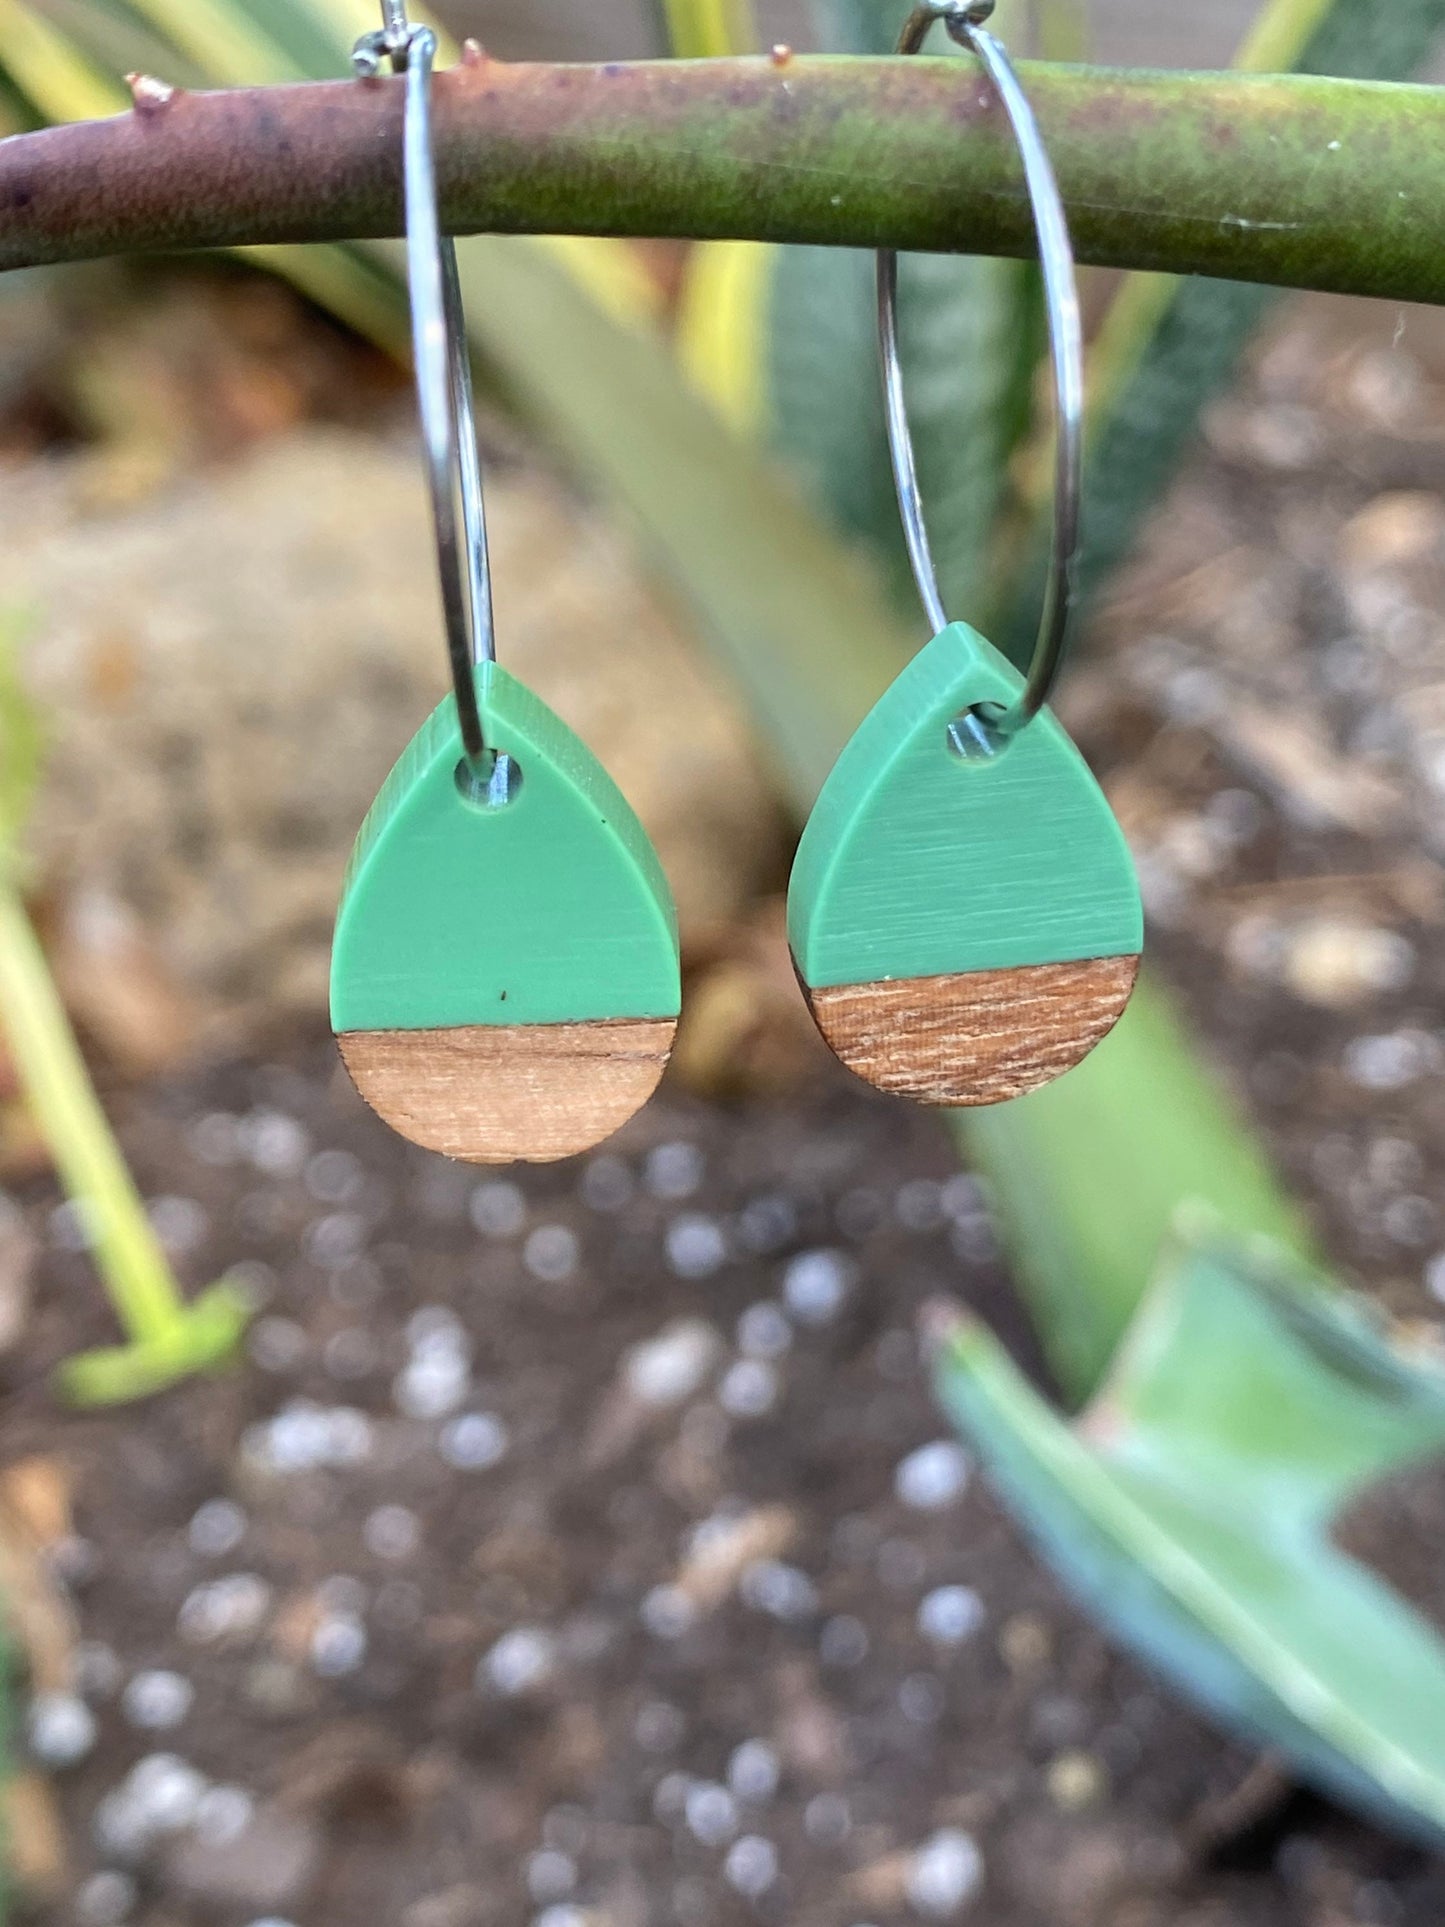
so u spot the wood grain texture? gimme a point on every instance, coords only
(494, 1093)
(975, 1037)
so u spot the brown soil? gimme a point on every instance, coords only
(400, 1790)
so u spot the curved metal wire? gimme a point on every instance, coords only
(443, 375)
(964, 21)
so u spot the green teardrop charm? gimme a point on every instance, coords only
(504, 973)
(963, 911)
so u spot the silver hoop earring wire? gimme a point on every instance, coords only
(964, 20)
(443, 375)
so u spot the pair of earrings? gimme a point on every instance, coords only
(963, 913)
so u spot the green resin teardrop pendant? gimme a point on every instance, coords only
(504, 974)
(963, 912)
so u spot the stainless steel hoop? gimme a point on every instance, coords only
(964, 20)
(443, 375)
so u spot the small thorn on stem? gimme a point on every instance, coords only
(149, 94)
(780, 53)
(474, 54)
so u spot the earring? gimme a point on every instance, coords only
(963, 910)
(504, 973)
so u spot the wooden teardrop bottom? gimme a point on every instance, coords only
(977, 1036)
(494, 1093)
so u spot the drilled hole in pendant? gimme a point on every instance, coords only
(974, 735)
(491, 782)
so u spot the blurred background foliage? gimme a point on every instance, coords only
(698, 393)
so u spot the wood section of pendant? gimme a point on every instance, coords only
(976, 1037)
(504, 973)
(491, 1093)
(963, 911)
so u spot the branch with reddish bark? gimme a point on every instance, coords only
(1293, 180)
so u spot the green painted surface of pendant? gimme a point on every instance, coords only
(548, 908)
(920, 862)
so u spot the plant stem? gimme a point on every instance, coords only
(57, 1085)
(1291, 180)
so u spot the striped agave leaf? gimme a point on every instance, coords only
(775, 334)
(1169, 345)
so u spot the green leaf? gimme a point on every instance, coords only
(1190, 1508)
(247, 45)
(165, 1336)
(969, 335)
(967, 339)
(708, 29)
(1168, 346)
(820, 344)
(1090, 1173)
(54, 74)
(1062, 32)
(21, 743)
(119, 42)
